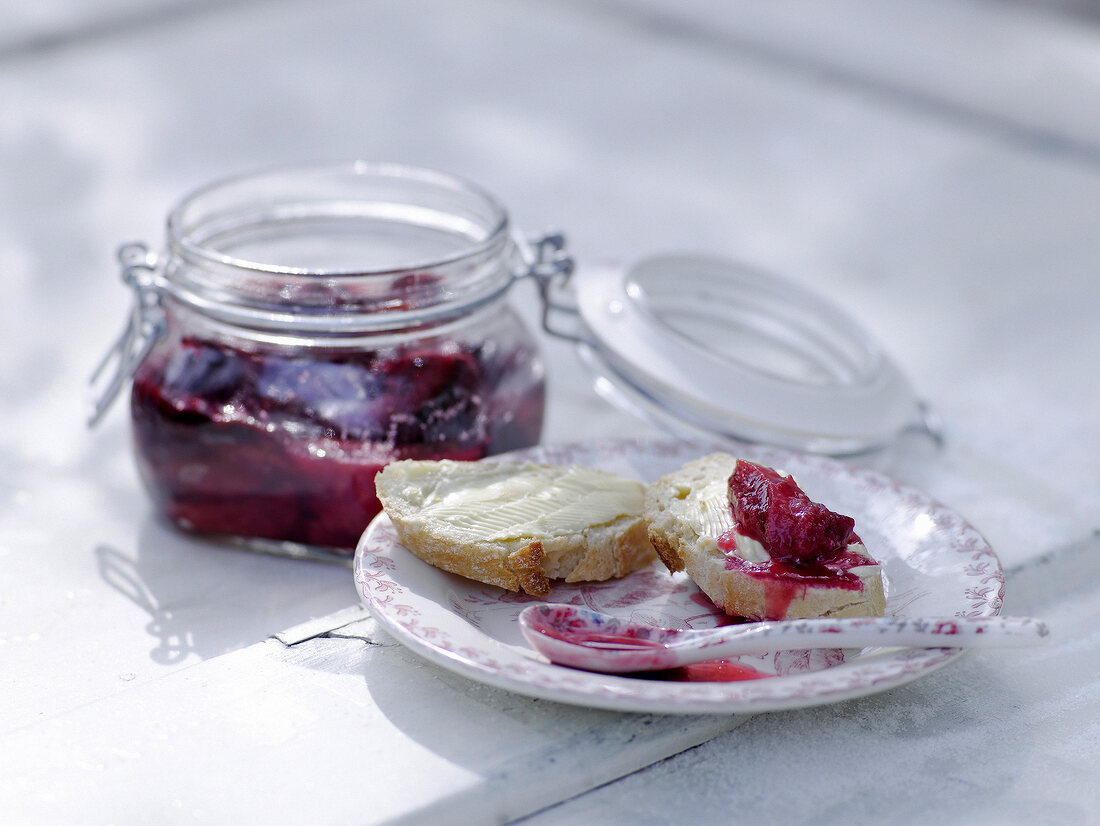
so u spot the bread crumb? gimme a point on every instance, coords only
(527, 563)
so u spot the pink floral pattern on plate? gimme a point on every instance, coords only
(935, 564)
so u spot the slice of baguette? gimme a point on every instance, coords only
(689, 509)
(517, 526)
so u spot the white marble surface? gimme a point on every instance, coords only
(934, 165)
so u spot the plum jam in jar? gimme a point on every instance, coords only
(306, 326)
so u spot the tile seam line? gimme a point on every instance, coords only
(1054, 555)
(118, 24)
(1006, 130)
(737, 720)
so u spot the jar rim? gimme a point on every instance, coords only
(181, 237)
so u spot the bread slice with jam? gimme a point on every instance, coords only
(755, 544)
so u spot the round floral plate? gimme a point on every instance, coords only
(935, 564)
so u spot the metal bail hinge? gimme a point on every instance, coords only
(548, 257)
(144, 326)
(550, 264)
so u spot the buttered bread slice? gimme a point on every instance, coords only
(517, 526)
(755, 544)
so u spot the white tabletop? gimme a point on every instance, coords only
(933, 166)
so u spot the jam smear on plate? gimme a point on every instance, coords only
(709, 671)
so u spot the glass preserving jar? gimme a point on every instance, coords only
(306, 326)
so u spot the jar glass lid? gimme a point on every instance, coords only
(737, 352)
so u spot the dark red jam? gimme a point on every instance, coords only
(284, 445)
(773, 510)
(807, 543)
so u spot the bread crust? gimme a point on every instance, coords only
(527, 564)
(686, 512)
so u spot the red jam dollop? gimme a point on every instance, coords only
(808, 543)
(773, 510)
(285, 446)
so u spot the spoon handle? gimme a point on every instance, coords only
(948, 632)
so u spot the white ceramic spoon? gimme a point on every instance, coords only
(586, 639)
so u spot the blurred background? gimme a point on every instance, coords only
(932, 165)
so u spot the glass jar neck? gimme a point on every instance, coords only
(348, 248)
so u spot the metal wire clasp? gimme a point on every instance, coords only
(145, 325)
(550, 264)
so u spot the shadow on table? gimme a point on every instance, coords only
(206, 599)
(498, 733)
(175, 641)
(526, 754)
